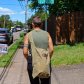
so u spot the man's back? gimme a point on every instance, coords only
(40, 38)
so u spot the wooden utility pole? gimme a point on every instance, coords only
(4, 21)
(26, 8)
(46, 3)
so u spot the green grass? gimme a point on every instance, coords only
(6, 58)
(22, 34)
(68, 55)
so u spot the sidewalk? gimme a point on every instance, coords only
(17, 73)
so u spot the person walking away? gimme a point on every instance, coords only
(37, 38)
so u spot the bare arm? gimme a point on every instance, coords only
(50, 45)
(25, 48)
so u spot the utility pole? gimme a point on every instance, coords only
(46, 3)
(46, 17)
(26, 8)
(4, 21)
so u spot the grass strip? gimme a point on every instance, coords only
(6, 58)
(68, 55)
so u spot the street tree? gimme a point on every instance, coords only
(5, 21)
(60, 6)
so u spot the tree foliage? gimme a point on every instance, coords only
(61, 6)
(39, 13)
(5, 21)
(19, 23)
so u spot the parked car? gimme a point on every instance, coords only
(18, 27)
(25, 30)
(13, 30)
(6, 37)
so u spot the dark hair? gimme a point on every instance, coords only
(37, 21)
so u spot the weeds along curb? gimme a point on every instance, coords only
(6, 58)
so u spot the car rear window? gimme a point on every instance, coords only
(4, 31)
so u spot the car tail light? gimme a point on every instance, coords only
(4, 34)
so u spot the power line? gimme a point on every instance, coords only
(26, 8)
(21, 5)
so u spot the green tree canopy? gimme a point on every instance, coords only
(60, 6)
(5, 21)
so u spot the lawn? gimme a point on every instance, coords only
(67, 55)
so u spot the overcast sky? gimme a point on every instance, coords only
(15, 9)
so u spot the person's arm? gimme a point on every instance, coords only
(25, 47)
(50, 45)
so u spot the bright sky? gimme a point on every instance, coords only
(15, 9)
